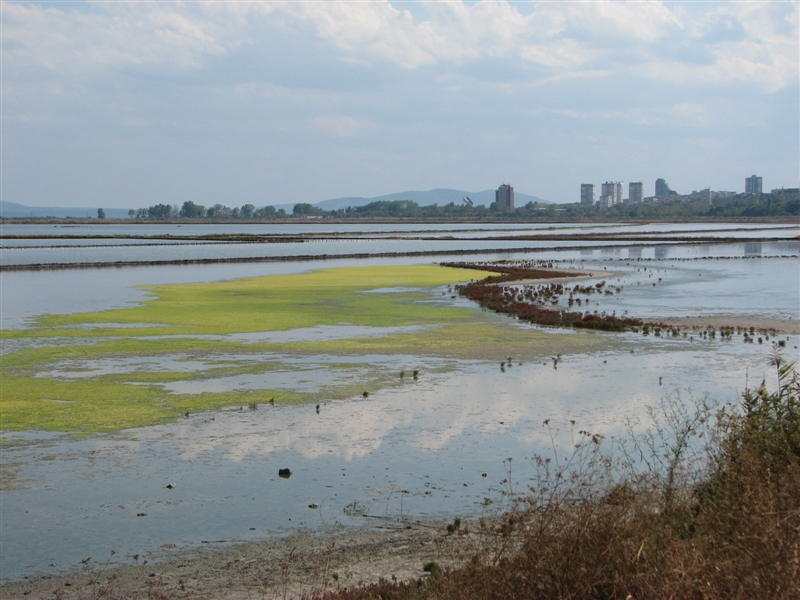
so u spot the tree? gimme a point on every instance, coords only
(101, 214)
(159, 211)
(190, 210)
(219, 210)
(247, 211)
(304, 208)
(267, 212)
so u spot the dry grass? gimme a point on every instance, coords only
(701, 505)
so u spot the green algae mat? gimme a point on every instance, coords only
(193, 347)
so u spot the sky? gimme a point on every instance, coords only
(122, 104)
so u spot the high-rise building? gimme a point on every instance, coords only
(587, 194)
(662, 189)
(752, 185)
(612, 192)
(635, 192)
(504, 197)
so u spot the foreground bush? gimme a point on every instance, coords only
(699, 506)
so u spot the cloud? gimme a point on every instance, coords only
(746, 40)
(340, 125)
(461, 94)
(72, 41)
(745, 43)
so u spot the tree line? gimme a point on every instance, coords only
(764, 205)
(190, 210)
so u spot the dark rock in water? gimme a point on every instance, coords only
(285, 473)
(171, 486)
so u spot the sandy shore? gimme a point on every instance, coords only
(289, 567)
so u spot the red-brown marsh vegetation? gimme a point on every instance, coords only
(535, 303)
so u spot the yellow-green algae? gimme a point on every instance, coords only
(278, 303)
(90, 403)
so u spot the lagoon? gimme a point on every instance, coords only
(410, 450)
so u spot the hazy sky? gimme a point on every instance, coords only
(127, 104)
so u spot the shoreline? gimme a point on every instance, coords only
(288, 567)
(760, 324)
(696, 323)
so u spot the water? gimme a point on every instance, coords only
(417, 450)
(316, 227)
(203, 251)
(414, 452)
(26, 294)
(350, 239)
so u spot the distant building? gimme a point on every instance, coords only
(702, 197)
(587, 194)
(611, 193)
(787, 193)
(635, 192)
(504, 197)
(662, 189)
(752, 185)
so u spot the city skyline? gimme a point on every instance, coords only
(611, 191)
(127, 104)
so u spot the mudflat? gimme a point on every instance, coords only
(289, 567)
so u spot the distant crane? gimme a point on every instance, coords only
(467, 201)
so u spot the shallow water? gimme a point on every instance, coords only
(26, 294)
(357, 239)
(411, 452)
(315, 227)
(202, 251)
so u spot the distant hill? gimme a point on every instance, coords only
(12, 210)
(440, 197)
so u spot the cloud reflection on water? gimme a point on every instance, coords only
(478, 400)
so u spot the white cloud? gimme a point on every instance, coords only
(70, 42)
(453, 91)
(692, 112)
(563, 54)
(747, 40)
(341, 125)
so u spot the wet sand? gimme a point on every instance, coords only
(761, 324)
(289, 567)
